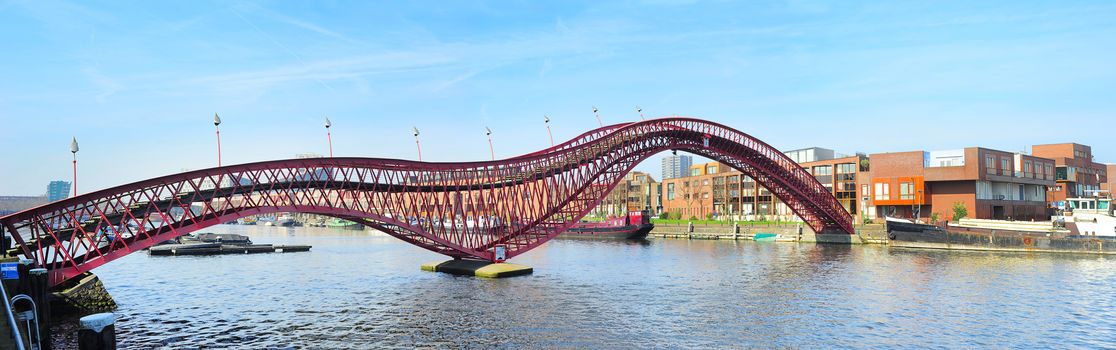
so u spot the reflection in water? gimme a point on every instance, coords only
(356, 290)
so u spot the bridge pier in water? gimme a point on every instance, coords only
(479, 268)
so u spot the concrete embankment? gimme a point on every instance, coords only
(782, 232)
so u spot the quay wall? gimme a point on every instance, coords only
(789, 232)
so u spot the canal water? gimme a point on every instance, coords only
(356, 289)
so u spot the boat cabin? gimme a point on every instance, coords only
(1090, 205)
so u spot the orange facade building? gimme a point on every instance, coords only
(990, 184)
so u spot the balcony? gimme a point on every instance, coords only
(1062, 174)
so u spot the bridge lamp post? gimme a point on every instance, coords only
(599, 123)
(488, 132)
(546, 120)
(417, 145)
(329, 137)
(217, 125)
(640, 111)
(74, 150)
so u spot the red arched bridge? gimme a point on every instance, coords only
(463, 210)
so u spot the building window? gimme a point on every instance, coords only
(705, 195)
(670, 192)
(1005, 167)
(712, 169)
(864, 190)
(906, 191)
(705, 182)
(882, 190)
(695, 172)
(990, 164)
(823, 170)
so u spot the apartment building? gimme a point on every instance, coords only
(714, 188)
(991, 184)
(638, 191)
(1110, 185)
(1076, 174)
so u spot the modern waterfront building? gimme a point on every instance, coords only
(714, 188)
(58, 190)
(843, 177)
(675, 166)
(990, 184)
(1110, 185)
(1076, 173)
(638, 191)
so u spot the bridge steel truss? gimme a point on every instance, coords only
(463, 210)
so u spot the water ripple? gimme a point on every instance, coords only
(359, 291)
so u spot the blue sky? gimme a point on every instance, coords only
(137, 83)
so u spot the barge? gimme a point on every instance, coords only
(634, 225)
(1088, 226)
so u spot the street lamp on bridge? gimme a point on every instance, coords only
(599, 123)
(488, 132)
(640, 111)
(329, 137)
(217, 125)
(74, 150)
(417, 145)
(546, 120)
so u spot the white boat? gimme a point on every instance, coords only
(285, 220)
(1090, 217)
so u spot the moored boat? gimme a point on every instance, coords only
(285, 221)
(343, 224)
(634, 225)
(996, 235)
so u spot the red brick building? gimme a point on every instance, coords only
(1109, 185)
(1076, 173)
(716, 188)
(990, 184)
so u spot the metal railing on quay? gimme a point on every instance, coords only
(15, 333)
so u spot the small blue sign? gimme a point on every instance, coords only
(9, 271)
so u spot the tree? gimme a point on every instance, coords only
(691, 194)
(959, 211)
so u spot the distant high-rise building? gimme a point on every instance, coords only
(58, 190)
(675, 166)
